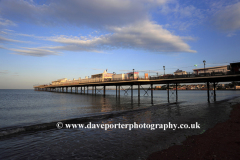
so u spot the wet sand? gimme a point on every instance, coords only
(220, 142)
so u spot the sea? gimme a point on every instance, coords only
(30, 120)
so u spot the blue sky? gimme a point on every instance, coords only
(42, 41)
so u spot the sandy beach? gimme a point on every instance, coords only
(219, 142)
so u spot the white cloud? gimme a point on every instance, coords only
(3, 39)
(228, 18)
(182, 15)
(127, 21)
(6, 22)
(180, 10)
(37, 52)
(143, 35)
(231, 34)
(2, 32)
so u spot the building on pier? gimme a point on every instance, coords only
(235, 67)
(218, 70)
(180, 72)
(119, 76)
(130, 75)
(104, 76)
(59, 81)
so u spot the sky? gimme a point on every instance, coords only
(45, 40)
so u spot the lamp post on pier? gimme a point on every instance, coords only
(133, 74)
(204, 67)
(164, 70)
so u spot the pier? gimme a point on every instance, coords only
(83, 85)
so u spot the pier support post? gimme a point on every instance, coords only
(131, 93)
(168, 92)
(62, 89)
(92, 89)
(176, 93)
(66, 89)
(116, 90)
(104, 90)
(87, 89)
(151, 93)
(119, 91)
(214, 91)
(76, 89)
(208, 92)
(71, 89)
(95, 90)
(138, 93)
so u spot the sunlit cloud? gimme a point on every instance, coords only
(127, 23)
(146, 36)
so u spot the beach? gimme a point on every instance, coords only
(219, 142)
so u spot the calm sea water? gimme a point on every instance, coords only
(28, 122)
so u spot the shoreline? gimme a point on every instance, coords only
(220, 142)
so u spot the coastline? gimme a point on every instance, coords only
(220, 142)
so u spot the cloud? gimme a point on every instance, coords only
(179, 10)
(1, 47)
(4, 72)
(231, 34)
(94, 13)
(36, 52)
(3, 39)
(2, 32)
(228, 18)
(127, 23)
(97, 69)
(143, 35)
(6, 22)
(181, 15)
(7, 40)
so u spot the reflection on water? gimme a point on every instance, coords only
(26, 107)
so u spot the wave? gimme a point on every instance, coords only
(4, 132)
(10, 131)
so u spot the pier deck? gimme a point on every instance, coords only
(153, 80)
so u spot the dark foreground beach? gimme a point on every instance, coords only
(220, 142)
